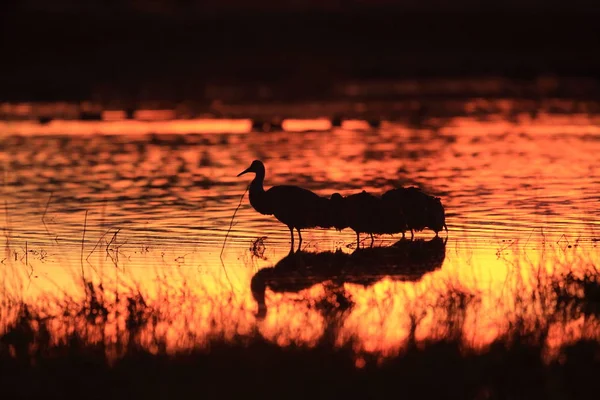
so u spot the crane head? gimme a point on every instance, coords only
(255, 167)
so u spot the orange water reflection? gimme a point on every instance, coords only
(520, 195)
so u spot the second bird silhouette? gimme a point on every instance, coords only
(294, 206)
(366, 213)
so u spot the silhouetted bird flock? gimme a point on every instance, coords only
(396, 211)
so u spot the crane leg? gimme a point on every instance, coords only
(292, 245)
(357, 240)
(372, 240)
(300, 239)
(412, 235)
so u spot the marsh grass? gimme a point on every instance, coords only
(116, 340)
(33, 365)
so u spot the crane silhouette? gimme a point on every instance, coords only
(366, 213)
(360, 212)
(294, 206)
(420, 209)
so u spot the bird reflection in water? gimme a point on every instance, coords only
(406, 260)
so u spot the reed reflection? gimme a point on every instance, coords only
(405, 260)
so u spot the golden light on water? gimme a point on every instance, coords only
(131, 127)
(520, 196)
(306, 125)
(155, 115)
(114, 115)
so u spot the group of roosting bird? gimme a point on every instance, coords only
(396, 211)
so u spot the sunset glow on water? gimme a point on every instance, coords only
(146, 206)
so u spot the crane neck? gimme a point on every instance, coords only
(258, 197)
(257, 183)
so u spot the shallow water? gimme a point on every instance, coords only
(521, 196)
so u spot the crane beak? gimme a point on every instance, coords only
(245, 171)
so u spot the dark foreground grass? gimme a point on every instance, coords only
(255, 367)
(32, 365)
